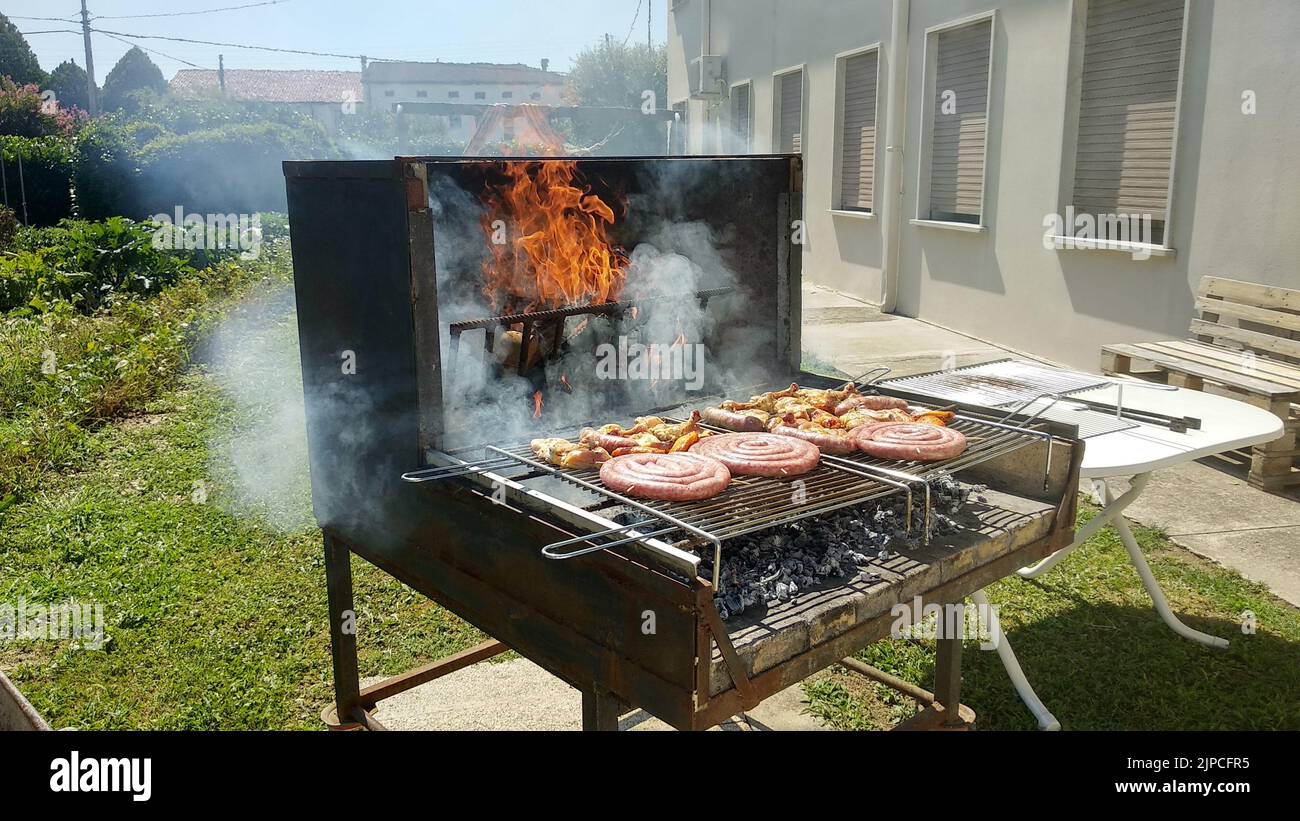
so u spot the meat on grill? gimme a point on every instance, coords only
(835, 441)
(761, 454)
(874, 403)
(910, 441)
(750, 419)
(669, 477)
(566, 454)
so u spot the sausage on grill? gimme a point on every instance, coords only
(910, 441)
(761, 454)
(669, 477)
(872, 402)
(752, 420)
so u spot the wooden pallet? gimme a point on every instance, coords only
(1243, 341)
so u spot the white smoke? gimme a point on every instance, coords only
(260, 461)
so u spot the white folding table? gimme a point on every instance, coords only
(1226, 424)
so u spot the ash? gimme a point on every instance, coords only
(776, 565)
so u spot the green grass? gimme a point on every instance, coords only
(1100, 657)
(213, 622)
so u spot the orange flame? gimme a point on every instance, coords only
(537, 405)
(557, 252)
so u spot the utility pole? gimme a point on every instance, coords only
(649, 15)
(221, 72)
(91, 93)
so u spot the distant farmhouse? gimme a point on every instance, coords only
(473, 85)
(325, 95)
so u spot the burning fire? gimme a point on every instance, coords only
(558, 251)
(537, 405)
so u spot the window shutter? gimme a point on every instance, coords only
(858, 140)
(1127, 107)
(740, 114)
(957, 147)
(791, 103)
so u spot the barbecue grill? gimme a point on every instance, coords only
(420, 463)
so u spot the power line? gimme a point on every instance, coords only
(188, 13)
(238, 45)
(153, 51)
(47, 19)
(635, 16)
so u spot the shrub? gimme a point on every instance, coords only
(8, 227)
(44, 181)
(88, 265)
(25, 113)
(106, 172)
(230, 169)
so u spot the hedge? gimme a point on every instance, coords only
(45, 181)
(234, 168)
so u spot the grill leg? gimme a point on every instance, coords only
(600, 710)
(343, 637)
(947, 677)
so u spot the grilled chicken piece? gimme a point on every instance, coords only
(565, 454)
(861, 416)
(826, 399)
(764, 401)
(665, 432)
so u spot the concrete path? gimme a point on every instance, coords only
(1252, 532)
(519, 695)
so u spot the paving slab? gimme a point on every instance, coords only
(519, 695)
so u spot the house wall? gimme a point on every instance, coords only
(493, 93)
(1236, 176)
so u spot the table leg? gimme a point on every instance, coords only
(1109, 513)
(1154, 591)
(1046, 721)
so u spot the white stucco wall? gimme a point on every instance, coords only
(1236, 185)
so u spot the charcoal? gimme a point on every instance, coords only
(762, 569)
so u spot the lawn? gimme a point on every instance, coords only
(1099, 656)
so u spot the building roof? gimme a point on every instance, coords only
(463, 73)
(272, 86)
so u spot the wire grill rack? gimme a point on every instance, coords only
(751, 504)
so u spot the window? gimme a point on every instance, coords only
(388, 93)
(958, 62)
(740, 119)
(1128, 105)
(453, 95)
(789, 112)
(857, 150)
(536, 95)
(480, 95)
(506, 95)
(421, 94)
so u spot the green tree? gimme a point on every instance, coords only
(17, 61)
(613, 75)
(134, 72)
(617, 75)
(68, 82)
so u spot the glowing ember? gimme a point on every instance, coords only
(557, 252)
(537, 405)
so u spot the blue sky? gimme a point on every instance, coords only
(505, 31)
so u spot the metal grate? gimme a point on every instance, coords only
(1015, 383)
(753, 504)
